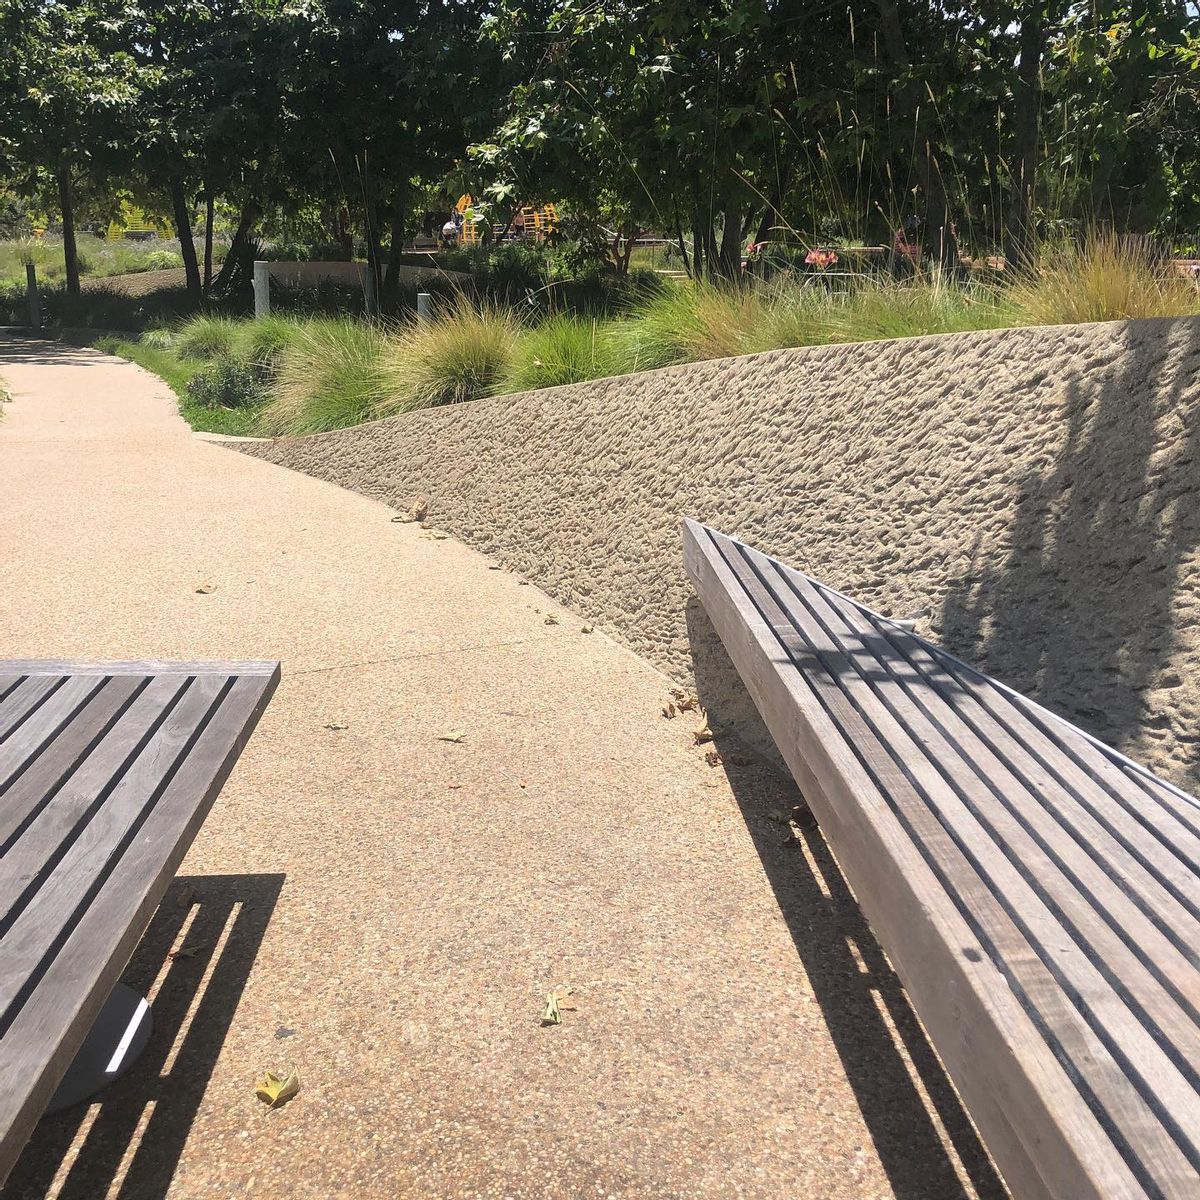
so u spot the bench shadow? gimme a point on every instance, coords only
(127, 1140)
(897, 1077)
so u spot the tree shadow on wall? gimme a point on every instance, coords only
(878, 1038)
(1081, 612)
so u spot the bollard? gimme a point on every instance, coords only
(35, 304)
(424, 306)
(262, 290)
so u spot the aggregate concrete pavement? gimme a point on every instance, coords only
(386, 910)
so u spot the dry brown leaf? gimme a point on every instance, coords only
(336, 725)
(550, 621)
(689, 704)
(712, 758)
(206, 589)
(277, 1090)
(454, 735)
(420, 509)
(703, 734)
(495, 567)
(669, 710)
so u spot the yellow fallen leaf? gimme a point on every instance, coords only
(455, 735)
(703, 734)
(277, 1090)
(550, 1014)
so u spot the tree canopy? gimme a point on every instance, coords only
(970, 128)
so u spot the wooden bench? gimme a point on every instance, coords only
(107, 772)
(1038, 893)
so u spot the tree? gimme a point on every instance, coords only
(67, 91)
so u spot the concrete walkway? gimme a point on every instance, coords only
(387, 910)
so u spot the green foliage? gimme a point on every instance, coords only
(332, 373)
(226, 383)
(206, 337)
(562, 349)
(262, 342)
(462, 354)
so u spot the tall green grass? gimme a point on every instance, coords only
(1104, 278)
(207, 337)
(563, 349)
(331, 373)
(462, 354)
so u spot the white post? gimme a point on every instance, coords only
(424, 306)
(262, 290)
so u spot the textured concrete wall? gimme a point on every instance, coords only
(1031, 493)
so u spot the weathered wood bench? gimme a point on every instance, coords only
(107, 772)
(1038, 893)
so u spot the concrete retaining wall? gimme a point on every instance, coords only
(1033, 494)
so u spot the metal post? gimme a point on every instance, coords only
(262, 290)
(424, 306)
(35, 304)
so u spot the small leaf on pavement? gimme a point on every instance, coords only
(206, 589)
(277, 1090)
(550, 1014)
(454, 735)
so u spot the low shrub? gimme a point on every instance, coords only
(158, 339)
(463, 354)
(226, 383)
(562, 349)
(331, 373)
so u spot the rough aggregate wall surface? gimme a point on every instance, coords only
(1031, 493)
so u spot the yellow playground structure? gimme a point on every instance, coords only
(530, 221)
(136, 224)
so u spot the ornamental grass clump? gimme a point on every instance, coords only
(206, 338)
(1103, 278)
(331, 373)
(883, 308)
(562, 349)
(462, 354)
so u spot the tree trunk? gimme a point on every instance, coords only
(687, 266)
(183, 229)
(66, 207)
(1027, 101)
(208, 238)
(237, 248)
(391, 278)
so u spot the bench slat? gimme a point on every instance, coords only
(41, 781)
(1069, 811)
(155, 756)
(1018, 930)
(28, 739)
(1132, 953)
(70, 829)
(23, 700)
(1026, 883)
